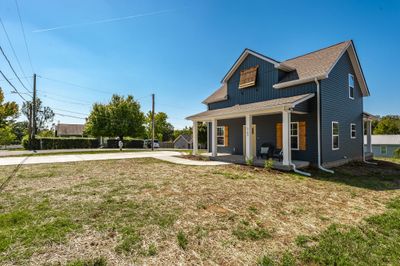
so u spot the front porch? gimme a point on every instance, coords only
(240, 159)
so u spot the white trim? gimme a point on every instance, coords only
(297, 82)
(248, 139)
(351, 131)
(195, 137)
(338, 135)
(214, 150)
(298, 135)
(240, 60)
(223, 136)
(349, 86)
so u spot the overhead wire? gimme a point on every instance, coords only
(23, 33)
(12, 85)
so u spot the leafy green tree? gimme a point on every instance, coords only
(121, 117)
(186, 130)
(202, 132)
(163, 130)
(20, 129)
(388, 125)
(8, 111)
(7, 135)
(44, 114)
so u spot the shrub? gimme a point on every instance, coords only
(268, 164)
(250, 161)
(182, 240)
(60, 143)
(128, 143)
(397, 153)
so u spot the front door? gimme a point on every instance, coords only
(253, 140)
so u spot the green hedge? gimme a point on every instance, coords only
(128, 143)
(61, 143)
(397, 153)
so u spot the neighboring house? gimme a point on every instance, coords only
(183, 141)
(384, 145)
(69, 130)
(309, 107)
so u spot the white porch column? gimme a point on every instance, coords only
(214, 137)
(208, 136)
(286, 137)
(248, 152)
(195, 137)
(369, 142)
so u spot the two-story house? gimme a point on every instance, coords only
(309, 108)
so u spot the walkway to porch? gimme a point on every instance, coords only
(239, 159)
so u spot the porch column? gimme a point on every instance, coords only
(214, 137)
(286, 137)
(195, 137)
(208, 136)
(369, 142)
(248, 152)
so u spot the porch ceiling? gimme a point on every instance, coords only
(264, 107)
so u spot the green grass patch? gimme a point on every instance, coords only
(182, 240)
(101, 261)
(234, 176)
(245, 231)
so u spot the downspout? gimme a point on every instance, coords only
(290, 154)
(319, 129)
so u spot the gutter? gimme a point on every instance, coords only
(319, 128)
(297, 81)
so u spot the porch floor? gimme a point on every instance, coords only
(239, 159)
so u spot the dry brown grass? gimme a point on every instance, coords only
(221, 210)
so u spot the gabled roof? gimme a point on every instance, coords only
(308, 67)
(219, 95)
(253, 108)
(319, 64)
(187, 137)
(384, 139)
(69, 129)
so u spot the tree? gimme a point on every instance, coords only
(20, 129)
(202, 132)
(44, 114)
(186, 130)
(121, 117)
(163, 130)
(8, 111)
(388, 125)
(7, 135)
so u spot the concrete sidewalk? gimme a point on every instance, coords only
(168, 156)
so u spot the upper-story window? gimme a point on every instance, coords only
(351, 86)
(248, 77)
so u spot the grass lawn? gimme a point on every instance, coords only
(145, 211)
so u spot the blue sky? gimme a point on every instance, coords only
(180, 50)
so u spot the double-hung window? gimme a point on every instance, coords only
(294, 135)
(351, 86)
(352, 130)
(335, 135)
(221, 136)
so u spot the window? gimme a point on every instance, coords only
(248, 77)
(220, 136)
(294, 135)
(335, 135)
(353, 131)
(351, 86)
(384, 150)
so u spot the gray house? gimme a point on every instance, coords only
(307, 110)
(384, 145)
(183, 141)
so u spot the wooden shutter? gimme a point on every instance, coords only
(248, 77)
(302, 136)
(226, 136)
(279, 135)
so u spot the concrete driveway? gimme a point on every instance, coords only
(161, 155)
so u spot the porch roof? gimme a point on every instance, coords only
(264, 107)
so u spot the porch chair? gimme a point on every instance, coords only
(278, 154)
(266, 150)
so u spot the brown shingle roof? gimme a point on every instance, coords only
(251, 107)
(318, 63)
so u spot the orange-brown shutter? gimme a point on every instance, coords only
(226, 136)
(302, 135)
(279, 135)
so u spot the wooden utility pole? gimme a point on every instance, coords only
(34, 130)
(152, 122)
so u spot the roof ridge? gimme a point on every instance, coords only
(330, 46)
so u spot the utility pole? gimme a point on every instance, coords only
(34, 108)
(152, 122)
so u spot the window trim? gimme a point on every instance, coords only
(385, 153)
(351, 130)
(351, 87)
(333, 135)
(297, 136)
(223, 136)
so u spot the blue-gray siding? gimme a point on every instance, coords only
(267, 76)
(337, 106)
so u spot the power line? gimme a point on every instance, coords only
(72, 112)
(23, 32)
(15, 73)
(72, 116)
(13, 50)
(12, 85)
(63, 101)
(73, 84)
